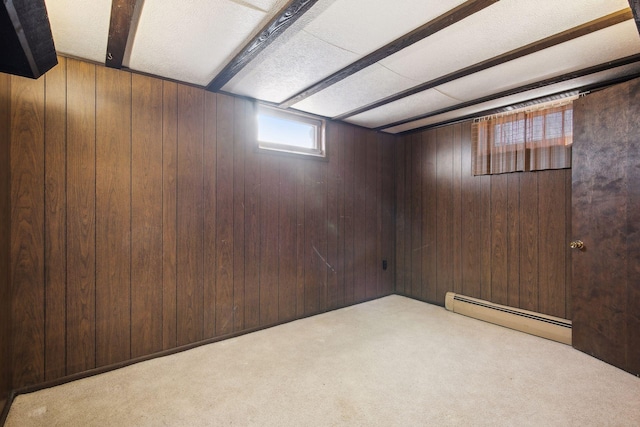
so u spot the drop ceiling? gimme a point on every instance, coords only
(392, 66)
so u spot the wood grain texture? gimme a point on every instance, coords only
(333, 190)
(286, 259)
(359, 216)
(371, 220)
(605, 207)
(513, 239)
(632, 229)
(55, 219)
(27, 238)
(269, 238)
(444, 212)
(6, 346)
(239, 136)
(252, 191)
(387, 201)
(190, 219)
(429, 216)
(416, 165)
(224, 216)
(529, 243)
(499, 238)
(485, 237)
(141, 190)
(81, 232)
(552, 250)
(146, 216)
(474, 229)
(470, 223)
(209, 205)
(113, 216)
(169, 213)
(400, 217)
(349, 215)
(457, 207)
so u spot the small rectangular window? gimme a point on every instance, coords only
(287, 132)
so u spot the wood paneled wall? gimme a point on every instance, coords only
(502, 238)
(144, 220)
(5, 254)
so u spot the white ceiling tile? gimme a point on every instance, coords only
(80, 28)
(364, 87)
(500, 28)
(362, 26)
(288, 69)
(429, 100)
(596, 48)
(263, 5)
(190, 40)
(521, 97)
(332, 35)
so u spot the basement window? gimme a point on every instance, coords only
(292, 133)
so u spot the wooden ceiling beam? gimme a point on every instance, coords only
(580, 90)
(441, 22)
(635, 8)
(632, 59)
(556, 39)
(123, 19)
(274, 29)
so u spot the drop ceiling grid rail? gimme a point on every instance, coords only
(441, 22)
(556, 39)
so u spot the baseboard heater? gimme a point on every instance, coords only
(542, 325)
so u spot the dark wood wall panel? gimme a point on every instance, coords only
(113, 216)
(169, 213)
(81, 232)
(502, 238)
(224, 215)
(529, 242)
(209, 205)
(145, 219)
(27, 219)
(55, 220)
(190, 216)
(6, 345)
(444, 212)
(146, 216)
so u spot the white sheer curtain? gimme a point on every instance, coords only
(523, 141)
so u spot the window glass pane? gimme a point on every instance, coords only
(568, 122)
(553, 125)
(537, 127)
(281, 131)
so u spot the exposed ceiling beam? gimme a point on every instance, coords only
(556, 39)
(26, 44)
(441, 22)
(581, 90)
(537, 85)
(120, 25)
(274, 28)
(635, 7)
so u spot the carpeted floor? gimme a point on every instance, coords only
(388, 362)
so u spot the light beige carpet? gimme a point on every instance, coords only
(389, 362)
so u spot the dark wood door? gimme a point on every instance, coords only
(606, 217)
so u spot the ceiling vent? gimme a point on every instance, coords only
(26, 44)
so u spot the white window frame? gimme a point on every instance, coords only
(319, 149)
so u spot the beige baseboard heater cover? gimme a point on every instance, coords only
(542, 325)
